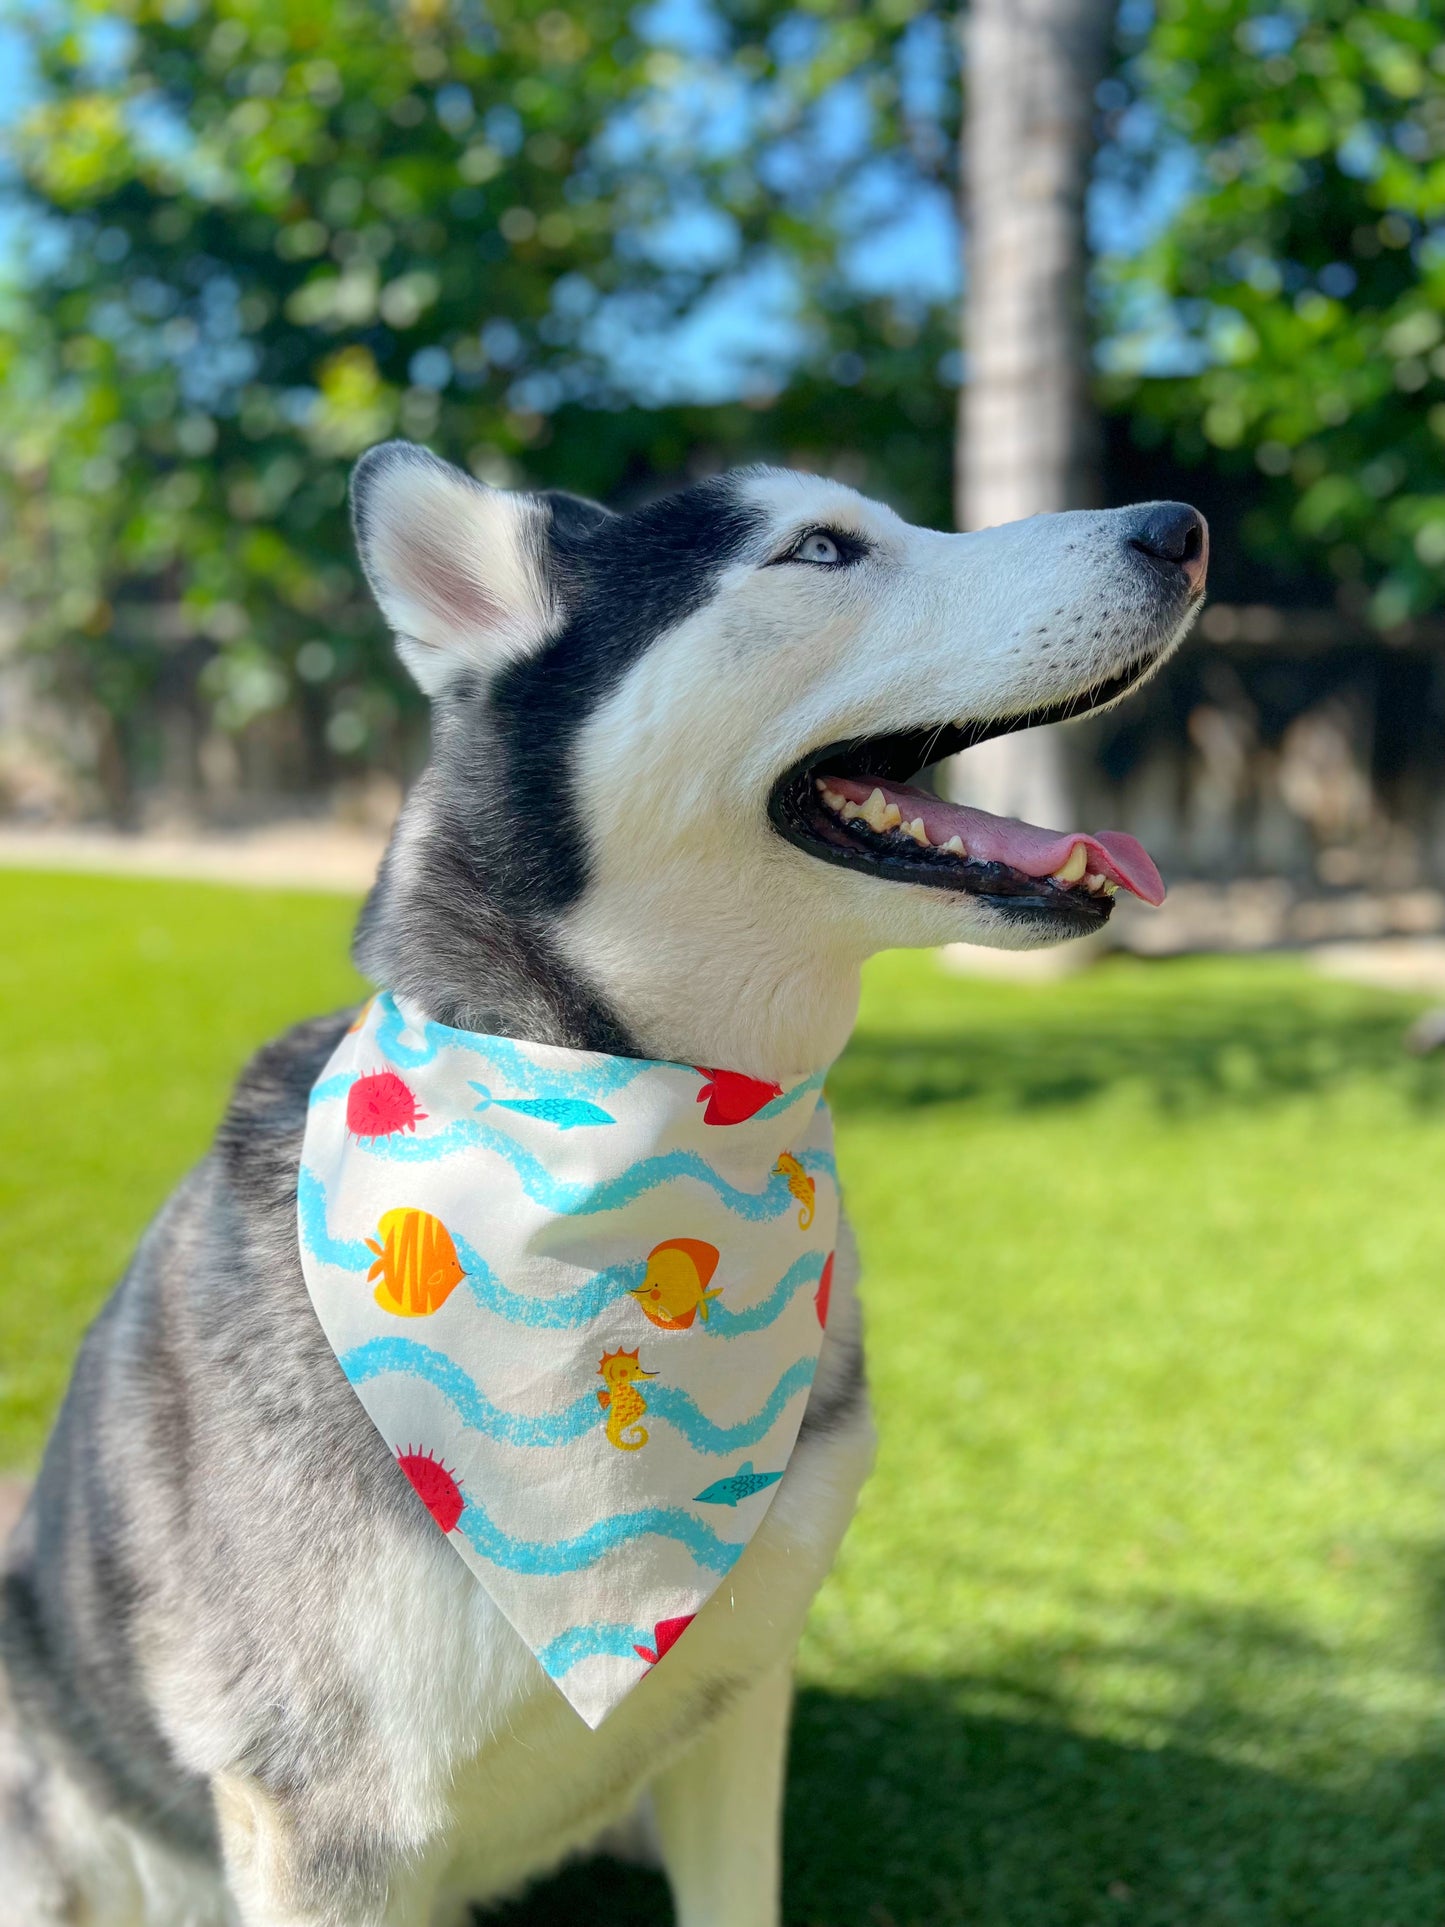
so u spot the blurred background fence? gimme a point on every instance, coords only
(1198, 251)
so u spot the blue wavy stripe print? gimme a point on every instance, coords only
(571, 1199)
(536, 1080)
(777, 1105)
(723, 1323)
(568, 1311)
(317, 1238)
(378, 1357)
(573, 1309)
(572, 1555)
(578, 1307)
(568, 1649)
(677, 1409)
(329, 1087)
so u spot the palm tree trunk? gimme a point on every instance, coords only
(1027, 437)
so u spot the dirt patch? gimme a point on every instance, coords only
(286, 856)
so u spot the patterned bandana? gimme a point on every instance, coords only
(582, 1299)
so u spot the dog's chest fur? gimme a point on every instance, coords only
(513, 1782)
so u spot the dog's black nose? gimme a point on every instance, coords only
(1174, 532)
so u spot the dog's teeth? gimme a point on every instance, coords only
(1074, 868)
(1093, 882)
(879, 814)
(954, 846)
(1111, 889)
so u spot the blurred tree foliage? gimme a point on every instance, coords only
(1300, 288)
(263, 234)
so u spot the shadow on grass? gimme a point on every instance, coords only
(910, 1808)
(907, 1809)
(1184, 1055)
(972, 1799)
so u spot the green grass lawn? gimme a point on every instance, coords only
(128, 1009)
(1143, 1620)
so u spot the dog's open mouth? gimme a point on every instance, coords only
(852, 803)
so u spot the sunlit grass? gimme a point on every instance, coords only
(128, 1009)
(1142, 1618)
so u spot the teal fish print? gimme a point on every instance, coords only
(565, 1112)
(742, 1485)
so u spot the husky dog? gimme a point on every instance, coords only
(667, 814)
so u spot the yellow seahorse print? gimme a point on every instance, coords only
(800, 1184)
(622, 1401)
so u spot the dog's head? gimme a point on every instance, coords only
(666, 733)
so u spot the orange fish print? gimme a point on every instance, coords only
(674, 1288)
(416, 1262)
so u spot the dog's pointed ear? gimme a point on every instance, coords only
(459, 570)
(574, 517)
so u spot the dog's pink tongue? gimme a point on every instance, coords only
(1022, 846)
(1039, 853)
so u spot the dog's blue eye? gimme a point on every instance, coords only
(817, 547)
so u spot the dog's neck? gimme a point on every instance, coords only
(704, 975)
(679, 970)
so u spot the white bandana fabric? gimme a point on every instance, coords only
(582, 1299)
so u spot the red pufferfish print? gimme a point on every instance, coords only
(666, 1635)
(380, 1105)
(732, 1098)
(823, 1295)
(437, 1489)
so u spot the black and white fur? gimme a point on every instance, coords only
(245, 1679)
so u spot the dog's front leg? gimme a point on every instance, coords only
(719, 1811)
(284, 1870)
